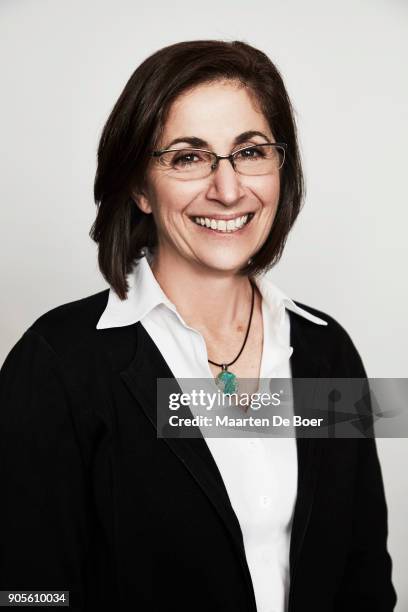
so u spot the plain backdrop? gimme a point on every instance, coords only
(63, 65)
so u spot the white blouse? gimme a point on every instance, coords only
(260, 474)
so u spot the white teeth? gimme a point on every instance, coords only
(222, 225)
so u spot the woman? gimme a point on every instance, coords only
(198, 184)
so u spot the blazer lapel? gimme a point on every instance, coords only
(304, 364)
(141, 379)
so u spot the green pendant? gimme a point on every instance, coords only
(227, 381)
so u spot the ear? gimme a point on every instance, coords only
(142, 201)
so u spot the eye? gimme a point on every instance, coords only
(250, 153)
(187, 158)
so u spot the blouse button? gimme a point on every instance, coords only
(265, 501)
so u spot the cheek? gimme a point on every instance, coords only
(267, 191)
(172, 196)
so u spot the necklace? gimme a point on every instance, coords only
(226, 380)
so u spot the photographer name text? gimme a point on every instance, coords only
(250, 421)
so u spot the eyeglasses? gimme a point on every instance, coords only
(189, 163)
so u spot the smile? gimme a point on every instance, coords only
(222, 225)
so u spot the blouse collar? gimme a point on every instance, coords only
(145, 294)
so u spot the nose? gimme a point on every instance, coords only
(225, 185)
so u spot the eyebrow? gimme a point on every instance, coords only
(194, 141)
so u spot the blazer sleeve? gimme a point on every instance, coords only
(366, 584)
(43, 510)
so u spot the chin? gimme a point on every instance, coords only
(223, 264)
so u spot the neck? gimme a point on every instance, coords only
(215, 301)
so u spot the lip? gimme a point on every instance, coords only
(222, 217)
(219, 234)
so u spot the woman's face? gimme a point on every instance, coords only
(218, 115)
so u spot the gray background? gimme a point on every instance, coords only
(63, 64)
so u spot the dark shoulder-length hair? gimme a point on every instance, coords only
(133, 129)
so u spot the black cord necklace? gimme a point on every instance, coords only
(226, 380)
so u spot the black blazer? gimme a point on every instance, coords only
(92, 502)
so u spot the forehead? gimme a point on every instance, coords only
(215, 111)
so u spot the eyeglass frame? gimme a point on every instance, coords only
(230, 157)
